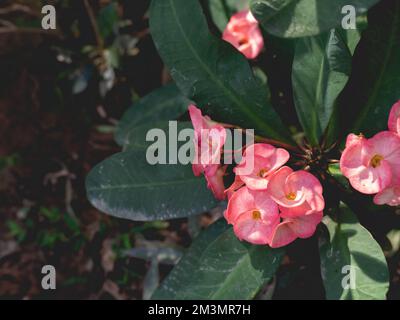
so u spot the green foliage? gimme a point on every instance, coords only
(341, 81)
(346, 243)
(321, 68)
(222, 10)
(219, 266)
(375, 83)
(166, 103)
(127, 186)
(209, 71)
(302, 18)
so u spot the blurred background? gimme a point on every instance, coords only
(61, 94)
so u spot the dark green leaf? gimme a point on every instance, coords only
(210, 71)
(321, 68)
(347, 243)
(222, 10)
(219, 266)
(136, 137)
(108, 19)
(374, 85)
(302, 18)
(166, 103)
(127, 186)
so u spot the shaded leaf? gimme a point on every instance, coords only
(347, 243)
(209, 70)
(136, 136)
(302, 18)
(321, 68)
(374, 85)
(219, 266)
(166, 103)
(127, 186)
(222, 10)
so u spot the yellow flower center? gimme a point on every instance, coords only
(256, 215)
(376, 161)
(263, 172)
(291, 196)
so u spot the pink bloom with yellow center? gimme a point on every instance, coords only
(297, 192)
(244, 34)
(371, 165)
(290, 208)
(254, 215)
(258, 163)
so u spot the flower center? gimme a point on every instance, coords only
(263, 172)
(243, 41)
(291, 196)
(256, 215)
(376, 161)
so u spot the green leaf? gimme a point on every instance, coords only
(136, 138)
(166, 103)
(375, 82)
(335, 172)
(222, 10)
(209, 70)
(347, 243)
(127, 186)
(302, 18)
(108, 19)
(219, 266)
(321, 68)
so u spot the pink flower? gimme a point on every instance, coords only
(258, 163)
(215, 183)
(292, 228)
(297, 192)
(389, 196)
(290, 208)
(371, 165)
(244, 34)
(394, 118)
(209, 139)
(254, 215)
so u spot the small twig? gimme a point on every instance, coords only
(8, 24)
(18, 8)
(92, 18)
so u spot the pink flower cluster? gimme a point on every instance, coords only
(373, 165)
(270, 204)
(244, 34)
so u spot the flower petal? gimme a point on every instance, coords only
(372, 180)
(282, 236)
(254, 231)
(240, 202)
(394, 118)
(389, 196)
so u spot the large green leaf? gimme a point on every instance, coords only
(374, 85)
(321, 68)
(136, 137)
(222, 10)
(209, 70)
(301, 18)
(165, 103)
(219, 266)
(127, 186)
(347, 243)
